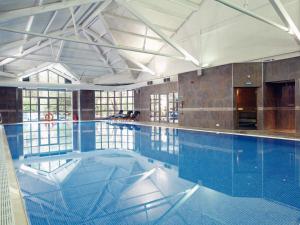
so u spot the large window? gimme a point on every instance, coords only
(164, 107)
(39, 104)
(111, 102)
(47, 76)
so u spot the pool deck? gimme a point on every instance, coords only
(14, 212)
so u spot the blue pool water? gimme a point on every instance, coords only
(101, 173)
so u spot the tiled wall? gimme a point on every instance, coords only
(11, 104)
(142, 97)
(207, 100)
(87, 104)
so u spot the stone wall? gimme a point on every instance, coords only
(87, 105)
(11, 104)
(207, 100)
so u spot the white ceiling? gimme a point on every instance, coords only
(207, 30)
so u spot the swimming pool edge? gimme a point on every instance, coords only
(17, 203)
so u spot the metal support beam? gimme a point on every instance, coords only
(186, 3)
(5, 74)
(32, 41)
(253, 15)
(171, 42)
(71, 62)
(136, 35)
(49, 24)
(28, 27)
(123, 54)
(286, 18)
(93, 43)
(61, 46)
(74, 20)
(100, 53)
(35, 48)
(30, 11)
(96, 13)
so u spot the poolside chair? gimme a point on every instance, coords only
(124, 117)
(135, 115)
(119, 114)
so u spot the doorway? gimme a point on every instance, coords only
(279, 103)
(48, 105)
(246, 108)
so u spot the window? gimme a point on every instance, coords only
(37, 104)
(113, 137)
(164, 107)
(47, 76)
(111, 102)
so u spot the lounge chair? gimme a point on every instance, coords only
(120, 113)
(135, 115)
(123, 117)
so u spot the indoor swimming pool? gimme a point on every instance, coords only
(106, 173)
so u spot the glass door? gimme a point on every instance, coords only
(48, 108)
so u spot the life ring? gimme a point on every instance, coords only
(49, 116)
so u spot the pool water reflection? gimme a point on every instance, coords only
(103, 173)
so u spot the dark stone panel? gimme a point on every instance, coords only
(297, 105)
(247, 74)
(11, 104)
(282, 70)
(75, 104)
(207, 99)
(208, 119)
(142, 97)
(87, 104)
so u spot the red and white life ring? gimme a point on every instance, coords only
(49, 116)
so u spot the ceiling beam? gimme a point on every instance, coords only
(49, 24)
(186, 3)
(125, 48)
(156, 30)
(123, 54)
(33, 40)
(81, 62)
(253, 15)
(30, 11)
(99, 52)
(5, 74)
(61, 46)
(28, 28)
(26, 52)
(286, 18)
(35, 48)
(131, 20)
(96, 13)
(74, 20)
(136, 34)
